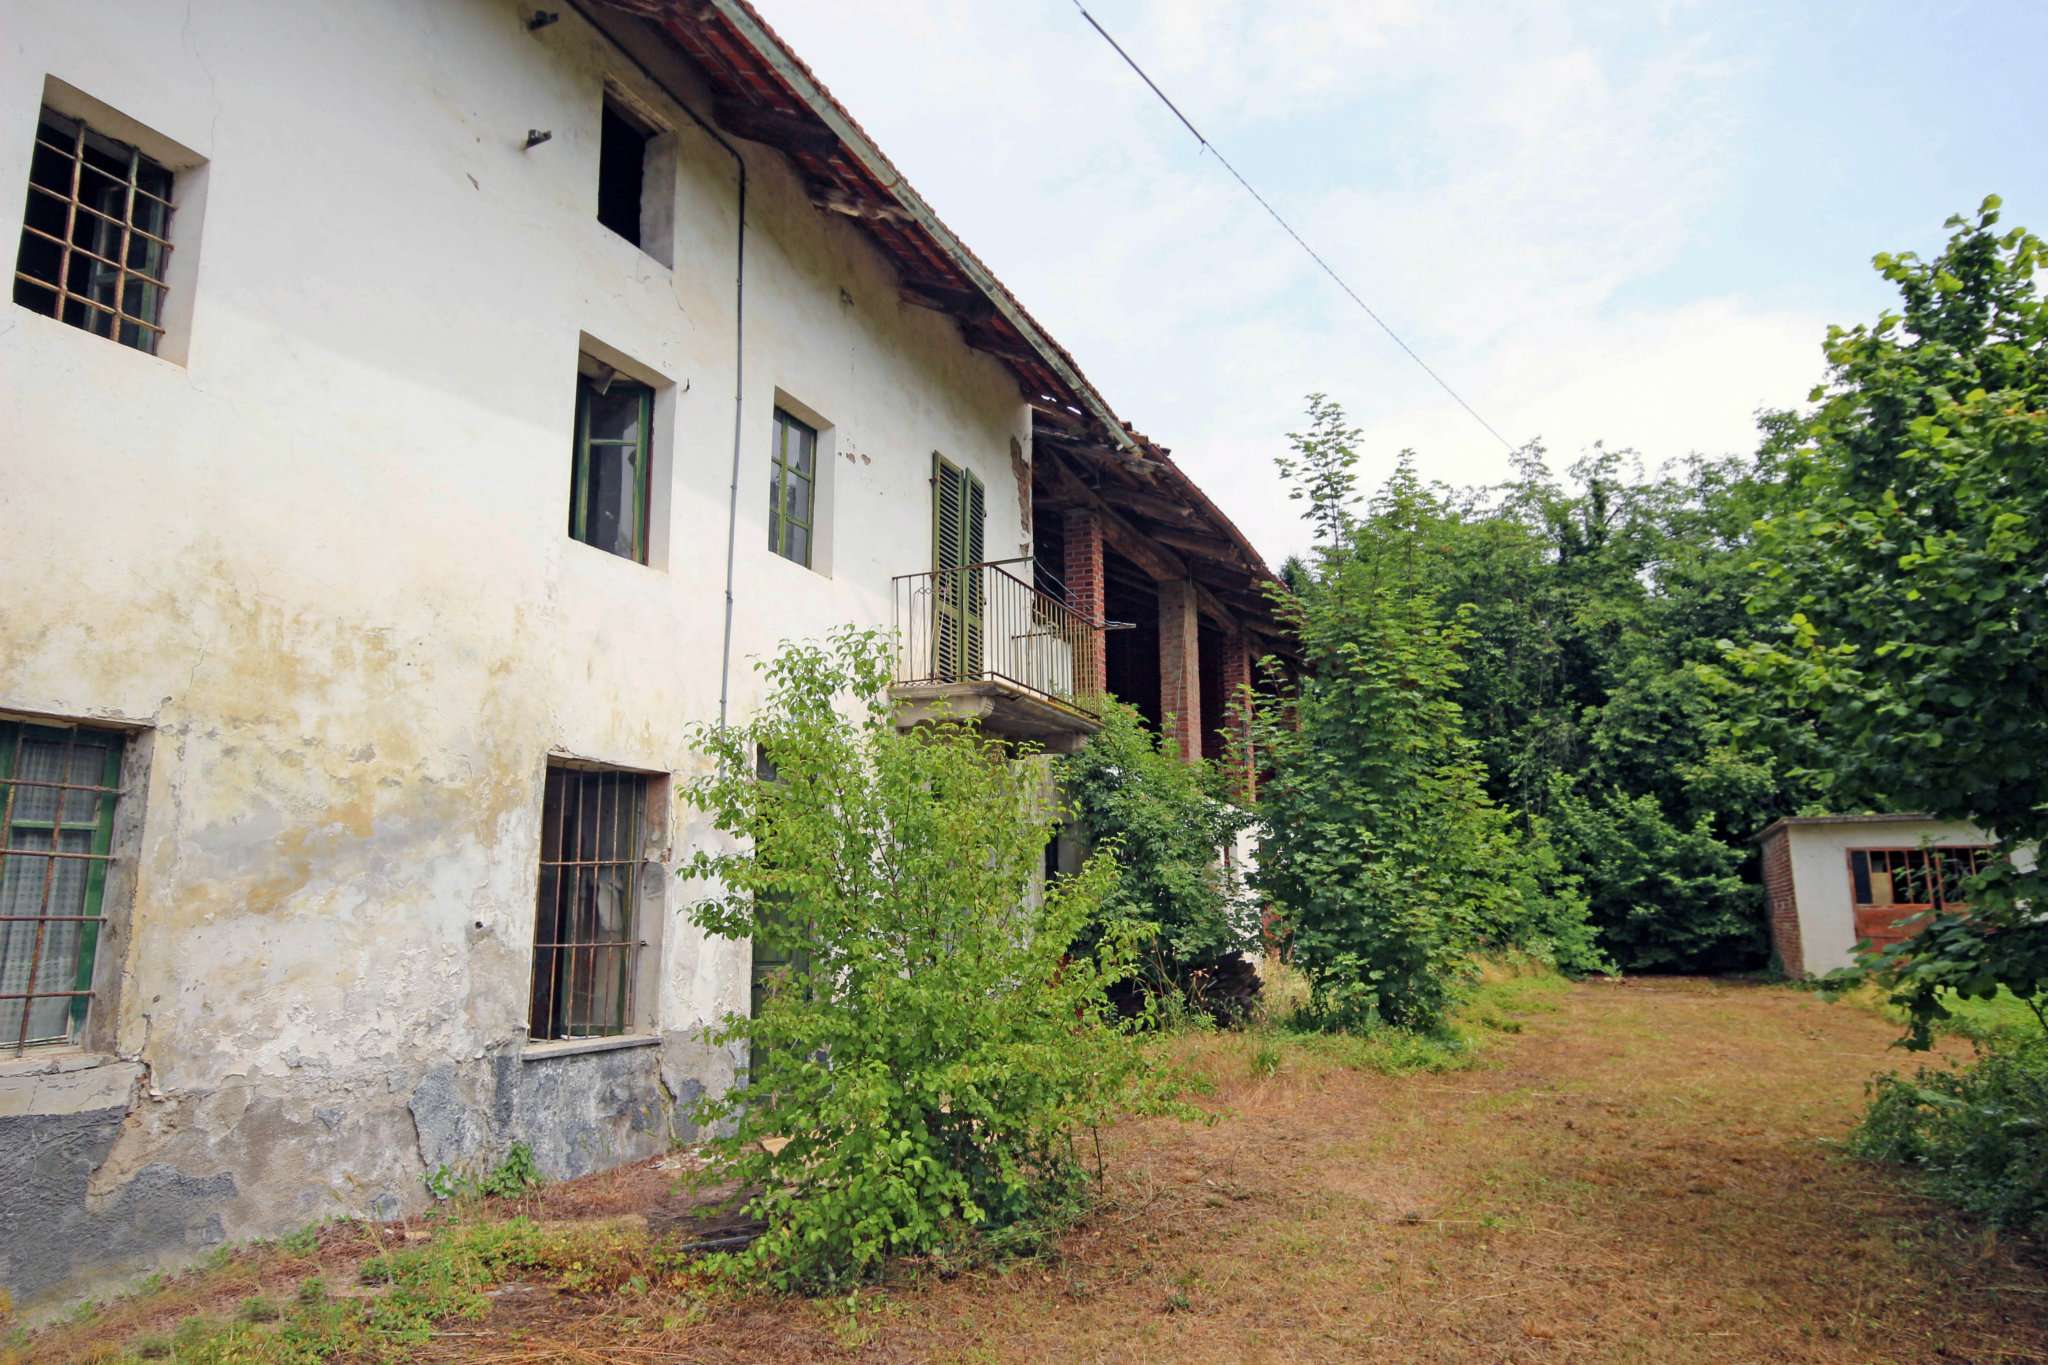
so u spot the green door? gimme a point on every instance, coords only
(959, 507)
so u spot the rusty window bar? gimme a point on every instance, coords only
(38, 804)
(584, 971)
(113, 276)
(980, 622)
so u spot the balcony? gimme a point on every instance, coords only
(979, 643)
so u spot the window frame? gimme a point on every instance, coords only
(779, 520)
(92, 915)
(579, 471)
(138, 333)
(557, 1023)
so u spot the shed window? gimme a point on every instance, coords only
(621, 171)
(587, 933)
(57, 791)
(1892, 887)
(95, 234)
(793, 489)
(610, 484)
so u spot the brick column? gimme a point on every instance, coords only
(1086, 594)
(1782, 903)
(1237, 697)
(1180, 670)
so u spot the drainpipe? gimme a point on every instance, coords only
(739, 350)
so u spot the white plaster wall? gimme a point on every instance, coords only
(1820, 878)
(324, 559)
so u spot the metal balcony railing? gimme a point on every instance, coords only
(983, 624)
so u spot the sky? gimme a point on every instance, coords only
(1624, 223)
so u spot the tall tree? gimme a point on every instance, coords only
(1904, 588)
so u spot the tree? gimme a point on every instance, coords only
(1388, 861)
(1904, 589)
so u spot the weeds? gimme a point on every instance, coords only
(1979, 1133)
(515, 1175)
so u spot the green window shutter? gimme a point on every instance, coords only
(959, 510)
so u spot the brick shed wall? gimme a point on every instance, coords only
(1782, 904)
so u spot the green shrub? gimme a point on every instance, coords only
(1166, 819)
(937, 1039)
(1979, 1133)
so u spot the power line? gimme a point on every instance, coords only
(1288, 228)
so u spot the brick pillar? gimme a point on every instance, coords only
(1237, 698)
(1180, 670)
(1782, 903)
(1086, 594)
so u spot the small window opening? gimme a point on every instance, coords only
(95, 235)
(793, 488)
(587, 933)
(611, 483)
(621, 171)
(58, 786)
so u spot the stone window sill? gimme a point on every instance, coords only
(55, 1061)
(575, 1047)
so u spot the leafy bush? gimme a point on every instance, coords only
(937, 1039)
(1165, 819)
(1978, 1132)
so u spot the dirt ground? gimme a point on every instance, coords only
(1644, 1172)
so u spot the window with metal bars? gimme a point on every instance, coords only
(587, 933)
(1891, 887)
(58, 785)
(95, 235)
(793, 488)
(611, 481)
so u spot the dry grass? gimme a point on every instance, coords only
(1643, 1172)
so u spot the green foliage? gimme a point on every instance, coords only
(1902, 590)
(431, 1284)
(1164, 819)
(1978, 1132)
(1383, 851)
(942, 1037)
(514, 1175)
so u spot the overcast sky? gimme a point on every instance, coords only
(1624, 222)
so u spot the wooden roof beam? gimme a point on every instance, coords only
(784, 132)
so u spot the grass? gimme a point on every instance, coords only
(1598, 1172)
(2002, 1016)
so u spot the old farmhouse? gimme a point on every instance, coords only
(417, 416)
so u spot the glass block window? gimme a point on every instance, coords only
(586, 936)
(611, 483)
(95, 236)
(793, 488)
(57, 791)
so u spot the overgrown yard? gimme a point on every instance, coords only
(1628, 1172)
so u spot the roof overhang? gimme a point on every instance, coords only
(762, 92)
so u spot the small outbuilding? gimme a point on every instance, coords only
(1832, 881)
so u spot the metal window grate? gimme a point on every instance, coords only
(586, 939)
(1890, 888)
(95, 236)
(57, 791)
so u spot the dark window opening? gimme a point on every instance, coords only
(95, 234)
(1131, 657)
(1891, 888)
(586, 936)
(611, 481)
(621, 171)
(1212, 732)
